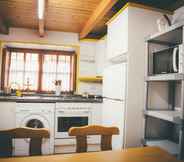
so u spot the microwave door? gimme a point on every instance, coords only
(165, 61)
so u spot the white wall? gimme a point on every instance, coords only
(51, 37)
(88, 50)
(32, 36)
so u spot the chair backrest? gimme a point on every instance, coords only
(35, 135)
(81, 134)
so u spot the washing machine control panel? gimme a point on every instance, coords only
(45, 108)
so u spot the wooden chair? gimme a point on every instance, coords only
(35, 135)
(81, 134)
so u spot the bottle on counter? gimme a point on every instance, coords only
(58, 87)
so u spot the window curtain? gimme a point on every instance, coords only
(6, 57)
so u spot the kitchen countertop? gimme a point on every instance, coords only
(49, 99)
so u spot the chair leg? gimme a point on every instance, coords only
(6, 147)
(106, 142)
(81, 144)
(35, 146)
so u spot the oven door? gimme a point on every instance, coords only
(67, 119)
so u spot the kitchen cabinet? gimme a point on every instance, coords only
(87, 58)
(101, 48)
(92, 57)
(87, 50)
(91, 67)
(7, 115)
(117, 37)
(126, 37)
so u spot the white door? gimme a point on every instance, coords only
(117, 36)
(114, 82)
(113, 115)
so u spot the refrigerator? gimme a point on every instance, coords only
(114, 103)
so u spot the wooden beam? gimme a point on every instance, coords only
(97, 16)
(41, 16)
(3, 26)
(41, 27)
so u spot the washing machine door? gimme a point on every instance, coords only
(35, 121)
(32, 121)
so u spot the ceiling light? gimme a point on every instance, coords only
(41, 7)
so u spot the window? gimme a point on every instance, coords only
(23, 70)
(57, 67)
(37, 70)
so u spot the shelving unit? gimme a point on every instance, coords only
(165, 77)
(94, 79)
(167, 145)
(164, 97)
(171, 116)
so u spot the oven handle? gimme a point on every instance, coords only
(174, 59)
(62, 111)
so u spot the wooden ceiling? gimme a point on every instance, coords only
(61, 15)
(68, 15)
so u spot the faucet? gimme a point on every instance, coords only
(27, 85)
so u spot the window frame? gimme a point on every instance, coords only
(41, 53)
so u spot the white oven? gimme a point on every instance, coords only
(71, 115)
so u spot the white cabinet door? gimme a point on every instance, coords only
(87, 68)
(117, 36)
(113, 115)
(7, 115)
(87, 51)
(101, 48)
(114, 81)
(87, 58)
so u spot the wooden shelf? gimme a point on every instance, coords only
(95, 79)
(169, 146)
(171, 116)
(165, 77)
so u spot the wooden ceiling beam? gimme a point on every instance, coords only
(41, 17)
(41, 27)
(97, 16)
(3, 26)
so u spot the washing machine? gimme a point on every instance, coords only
(35, 115)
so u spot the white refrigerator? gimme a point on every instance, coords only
(114, 93)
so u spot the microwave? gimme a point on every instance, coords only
(169, 60)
